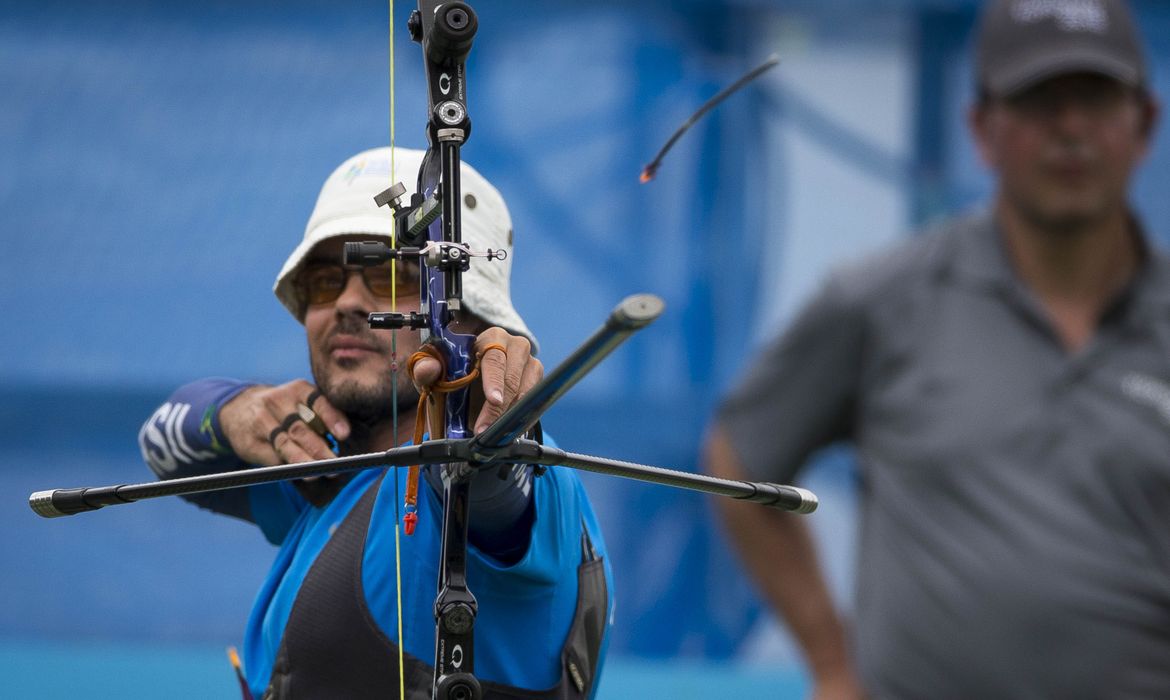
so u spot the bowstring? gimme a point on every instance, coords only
(394, 380)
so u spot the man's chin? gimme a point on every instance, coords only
(369, 400)
(1072, 222)
(1069, 215)
(360, 404)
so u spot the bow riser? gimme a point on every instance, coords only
(446, 31)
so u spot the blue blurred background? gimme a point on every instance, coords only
(159, 160)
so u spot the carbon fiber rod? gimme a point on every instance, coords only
(499, 443)
(630, 315)
(58, 502)
(779, 496)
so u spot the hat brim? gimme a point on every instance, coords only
(285, 288)
(475, 299)
(1058, 63)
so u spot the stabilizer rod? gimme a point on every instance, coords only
(630, 315)
(60, 502)
(779, 496)
(499, 443)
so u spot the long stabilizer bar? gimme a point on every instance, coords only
(498, 444)
(60, 502)
(630, 315)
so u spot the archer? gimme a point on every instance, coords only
(325, 618)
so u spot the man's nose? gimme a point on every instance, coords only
(355, 296)
(1073, 116)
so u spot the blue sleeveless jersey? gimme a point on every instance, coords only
(525, 609)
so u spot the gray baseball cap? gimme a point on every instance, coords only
(1024, 42)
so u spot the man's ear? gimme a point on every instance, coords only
(979, 120)
(1151, 112)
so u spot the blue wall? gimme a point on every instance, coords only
(158, 161)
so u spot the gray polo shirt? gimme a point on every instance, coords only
(1015, 518)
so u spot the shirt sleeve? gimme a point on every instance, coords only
(183, 438)
(501, 509)
(800, 393)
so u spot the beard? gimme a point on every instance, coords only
(1068, 209)
(1066, 219)
(366, 403)
(368, 400)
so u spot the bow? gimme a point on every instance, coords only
(428, 229)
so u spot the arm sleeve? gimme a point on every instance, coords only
(183, 438)
(800, 392)
(501, 509)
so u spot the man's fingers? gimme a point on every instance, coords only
(488, 415)
(506, 375)
(493, 366)
(256, 426)
(267, 424)
(256, 447)
(533, 373)
(519, 358)
(502, 371)
(286, 405)
(306, 442)
(426, 372)
(335, 421)
(292, 440)
(290, 451)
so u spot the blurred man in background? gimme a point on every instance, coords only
(1006, 382)
(325, 623)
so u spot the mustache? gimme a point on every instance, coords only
(358, 327)
(1071, 150)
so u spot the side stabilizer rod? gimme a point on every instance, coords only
(632, 314)
(500, 443)
(779, 496)
(60, 502)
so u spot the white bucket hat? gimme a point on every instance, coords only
(346, 207)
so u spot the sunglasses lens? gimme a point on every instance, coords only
(378, 279)
(406, 277)
(323, 283)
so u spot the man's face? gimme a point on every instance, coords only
(352, 364)
(1065, 149)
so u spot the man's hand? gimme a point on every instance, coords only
(505, 376)
(778, 552)
(844, 685)
(250, 422)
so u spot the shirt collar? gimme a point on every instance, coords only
(979, 254)
(1152, 284)
(980, 257)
